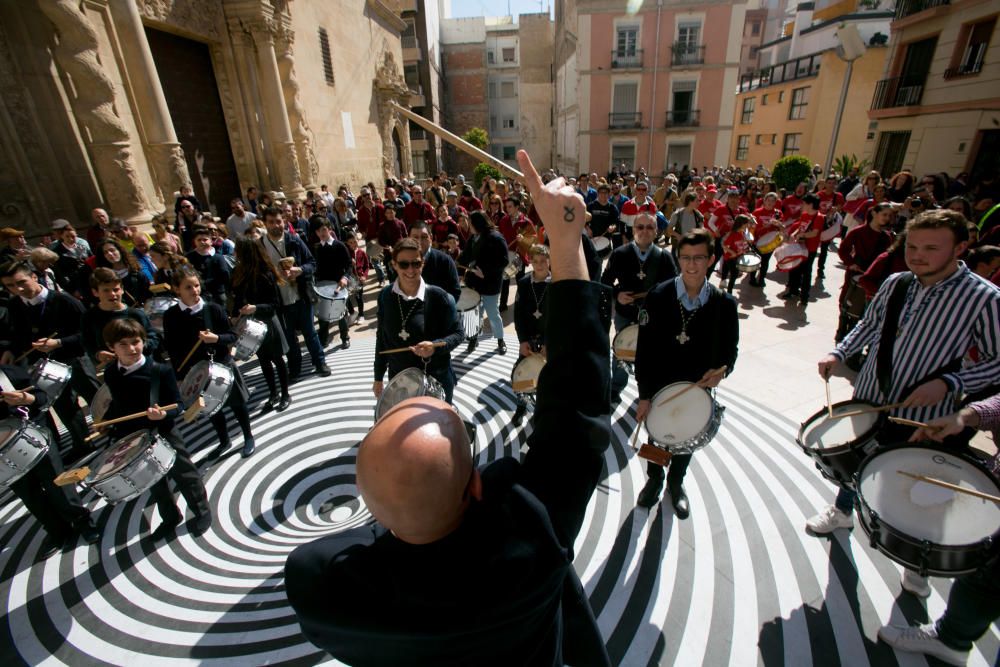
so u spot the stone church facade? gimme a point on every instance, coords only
(117, 103)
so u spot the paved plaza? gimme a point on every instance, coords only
(739, 583)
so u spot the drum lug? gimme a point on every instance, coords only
(876, 530)
(925, 551)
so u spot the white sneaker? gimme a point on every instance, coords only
(829, 520)
(914, 583)
(921, 639)
(361, 320)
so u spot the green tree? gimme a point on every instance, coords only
(845, 163)
(484, 170)
(477, 137)
(791, 170)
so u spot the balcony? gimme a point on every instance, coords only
(417, 98)
(906, 8)
(790, 70)
(684, 118)
(624, 121)
(626, 59)
(967, 69)
(900, 91)
(685, 55)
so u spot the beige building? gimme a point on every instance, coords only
(937, 107)
(790, 105)
(422, 72)
(511, 62)
(120, 102)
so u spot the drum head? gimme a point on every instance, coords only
(468, 300)
(326, 289)
(926, 511)
(102, 401)
(626, 342)
(119, 454)
(407, 383)
(195, 381)
(790, 255)
(682, 418)
(822, 432)
(159, 304)
(526, 372)
(601, 243)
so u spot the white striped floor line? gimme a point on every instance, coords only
(739, 583)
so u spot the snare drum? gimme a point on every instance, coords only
(626, 342)
(833, 230)
(131, 466)
(524, 377)
(22, 446)
(922, 526)
(514, 265)
(770, 241)
(748, 263)
(468, 310)
(155, 308)
(251, 334)
(790, 255)
(686, 423)
(407, 383)
(210, 381)
(603, 246)
(50, 376)
(331, 301)
(839, 445)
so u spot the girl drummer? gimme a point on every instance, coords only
(255, 294)
(768, 219)
(734, 246)
(488, 250)
(419, 316)
(193, 322)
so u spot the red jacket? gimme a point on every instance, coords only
(370, 220)
(862, 245)
(828, 201)
(414, 212)
(441, 228)
(361, 264)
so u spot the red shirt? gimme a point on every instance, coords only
(808, 222)
(361, 264)
(791, 207)
(734, 244)
(828, 201)
(862, 245)
(506, 228)
(724, 219)
(766, 220)
(441, 228)
(470, 203)
(414, 212)
(708, 206)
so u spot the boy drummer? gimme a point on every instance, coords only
(529, 313)
(138, 383)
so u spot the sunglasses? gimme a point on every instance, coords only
(406, 264)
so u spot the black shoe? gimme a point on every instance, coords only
(804, 301)
(88, 531)
(49, 547)
(473, 342)
(200, 524)
(248, 448)
(323, 370)
(286, 400)
(501, 346)
(345, 344)
(650, 493)
(679, 500)
(270, 404)
(788, 294)
(323, 342)
(166, 529)
(221, 449)
(519, 414)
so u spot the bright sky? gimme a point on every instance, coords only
(460, 8)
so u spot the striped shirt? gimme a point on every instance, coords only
(938, 324)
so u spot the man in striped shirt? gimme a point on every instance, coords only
(946, 310)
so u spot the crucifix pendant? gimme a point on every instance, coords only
(404, 335)
(537, 315)
(641, 274)
(682, 337)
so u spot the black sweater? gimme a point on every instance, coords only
(433, 319)
(132, 393)
(333, 262)
(214, 275)
(531, 295)
(440, 270)
(180, 332)
(489, 253)
(622, 274)
(713, 333)
(57, 317)
(94, 320)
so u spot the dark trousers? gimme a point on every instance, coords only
(68, 409)
(717, 252)
(505, 288)
(824, 249)
(57, 508)
(187, 479)
(238, 405)
(268, 363)
(295, 318)
(324, 331)
(973, 605)
(729, 271)
(765, 265)
(84, 380)
(800, 278)
(675, 473)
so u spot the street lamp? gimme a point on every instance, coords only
(850, 48)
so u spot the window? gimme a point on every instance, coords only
(509, 152)
(507, 89)
(753, 51)
(493, 123)
(781, 96)
(324, 49)
(688, 34)
(624, 105)
(742, 146)
(491, 89)
(890, 151)
(508, 54)
(412, 77)
(748, 105)
(623, 153)
(974, 51)
(626, 41)
(763, 100)
(791, 146)
(759, 139)
(491, 58)
(755, 28)
(508, 123)
(408, 37)
(800, 99)
(679, 154)
(774, 139)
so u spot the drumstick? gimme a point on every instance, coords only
(440, 343)
(829, 403)
(194, 347)
(949, 485)
(126, 418)
(717, 371)
(855, 413)
(635, 436)
(32, 349)
(910, 422)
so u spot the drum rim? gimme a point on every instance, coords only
(708, 426)
(535, 358)
(867, 435)
(430, 378)
(92, 477)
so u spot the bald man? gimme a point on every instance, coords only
(475, 568)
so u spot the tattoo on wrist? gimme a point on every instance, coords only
(569, 215)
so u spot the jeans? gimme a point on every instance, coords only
(379, 271)
(973, 605)
(491, 304)
(295, 318)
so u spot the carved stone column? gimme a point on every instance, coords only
(389, 86)
(164, 150)
(275, 113)
(308, 166)
(92, 96)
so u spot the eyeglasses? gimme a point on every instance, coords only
(639, 228)
(406, 265)
(693, 258)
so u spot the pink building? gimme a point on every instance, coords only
(654, 89)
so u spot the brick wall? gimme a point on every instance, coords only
(465, 100)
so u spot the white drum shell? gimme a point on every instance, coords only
(142, 470)
(252, 333)
(212, 382)
(155, 308)
(102, 401)
(748, 263)
(514, 265)
(626, 343)
(468, 310)
(331, 301)
(50, 376)
(790, 255)
(23, 446)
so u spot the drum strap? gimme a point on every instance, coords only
(893, 309)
